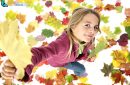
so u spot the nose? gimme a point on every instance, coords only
(91, 31)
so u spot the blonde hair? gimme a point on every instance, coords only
(77, 16)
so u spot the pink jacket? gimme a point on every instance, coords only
(55, 53)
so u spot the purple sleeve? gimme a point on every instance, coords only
(43, 53)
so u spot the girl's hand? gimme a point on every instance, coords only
(8, 70)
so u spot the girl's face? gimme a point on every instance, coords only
(87, 28)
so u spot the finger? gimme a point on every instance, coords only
(8, 73)
(6, 77)
(9, 69)
(9, 63)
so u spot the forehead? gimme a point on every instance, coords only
(92, 18)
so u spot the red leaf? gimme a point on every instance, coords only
(66, 13)
(48, 3)
(38, 18)
(49, 82)
(2, 54)
(109, 7)
(65, 21)
(80, 1)
(118, 3)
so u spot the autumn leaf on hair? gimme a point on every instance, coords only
(104, 18)
(98, 3)
(31, 41)
(38, 8)
(21, 18)
(51, 74)
(109, 7)
(11, 15)
(69, 78)
(107, 69)
(47, 33)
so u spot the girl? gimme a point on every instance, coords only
(67, 49)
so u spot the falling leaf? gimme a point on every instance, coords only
(99, 47)
(31, 41)
(49, 82)
(112, 42)
(51, 74)
(48, 3)
(118, 3)
(21, 18)
(98, 3)
(127, 29)
(10, 2)
(123, 41)
(107, 69)
(47, 33)
(79, 1)
(83, 79)
(127, 11)
(38, 18)
(11, 15)
(30, 28)
(65, 21)
(69, 78)
(109, 7)
(40, 38)
(104, 18)
(117, 30)
(2, 54)
(38, 8)
(119, 9)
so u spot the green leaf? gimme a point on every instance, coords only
(128, 57)
(69, 78)
(107, 69)
(119, 9)
(38, 8)
(47, 33)
(104, 18)
(117, 30)
(127, 29)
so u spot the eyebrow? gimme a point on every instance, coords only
(90, 22)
